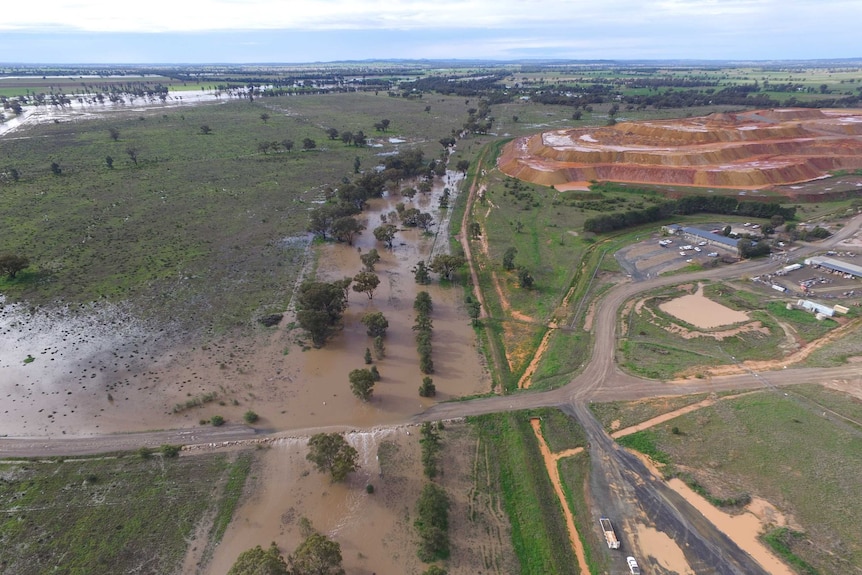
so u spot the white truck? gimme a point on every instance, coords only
(610, 535)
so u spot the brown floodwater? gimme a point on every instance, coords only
(97, 369)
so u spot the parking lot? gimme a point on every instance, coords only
(654, 256)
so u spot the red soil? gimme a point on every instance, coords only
(751, 150)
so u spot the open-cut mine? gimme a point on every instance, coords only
(745, 150)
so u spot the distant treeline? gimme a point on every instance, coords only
(685, 206)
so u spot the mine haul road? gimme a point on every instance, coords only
(619, 481)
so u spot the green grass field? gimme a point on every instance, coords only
(538, 529)
(111, 515)
(782, 448)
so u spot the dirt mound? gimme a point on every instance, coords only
(743, 150)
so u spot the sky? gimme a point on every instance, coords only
(299, 31)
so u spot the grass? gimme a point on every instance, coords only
(629, 413)
(106, 515)
(645, 442)
(231, 494)
(781, 541)
(574, 475)
(650, 350)
(560, 431)
(781, 448)
(538, 528)
(201, 221)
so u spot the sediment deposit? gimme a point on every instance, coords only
(745, 150)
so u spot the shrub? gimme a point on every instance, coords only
(217, 420)
(250, 416)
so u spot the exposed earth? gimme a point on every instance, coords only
(746, 150)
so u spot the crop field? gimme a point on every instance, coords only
(114, 514)
(782, 448)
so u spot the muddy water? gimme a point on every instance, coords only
(701, 311)
(98, 370)
(372, 529)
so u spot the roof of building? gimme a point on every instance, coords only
(836, 265)
(709, 236)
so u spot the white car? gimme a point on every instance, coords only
(682, 253)
(713, 254)
(633, 566)
(697, 249)
(701, 243)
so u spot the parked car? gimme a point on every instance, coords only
(633, 566)
(713, 254)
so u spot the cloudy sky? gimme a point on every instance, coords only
(285, 31)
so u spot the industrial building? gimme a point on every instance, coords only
(699, 235)
(836, 266)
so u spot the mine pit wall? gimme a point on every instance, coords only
(720, 151)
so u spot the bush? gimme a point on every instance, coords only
(170, 450)
(217, 420)
(250, 417)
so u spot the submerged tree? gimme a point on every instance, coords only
(330, 453)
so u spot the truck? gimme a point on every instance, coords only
(610, 536)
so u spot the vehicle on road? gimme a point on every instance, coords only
(683, 253)
(712, 254)
(610, 535)
(633, 566)
(697, 249)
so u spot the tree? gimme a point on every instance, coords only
(109, 161)
(462, 166)
(776, 220)
(347, 137)
(308, 144)
(206, 130)
(375, 372)
(357, 163)
(432, 523)
(474, 310)
(420, 273)
(320, 306)
(11, 264)
(264, 147)
(56, 169)
(423, 304)
(424, 220)
(362, 383)
(379, 347)
(332, 133)
(346, 228)
(385, 123)
(369, 259)
(447, 142)
(427, 389)
(359, 139)
(368, 359)
(576, 115)
(132, 152)
(726, 231)
(264, 117)
(114, 133)
(217, 420)
(366, 282)
(509, 258)
(14, 174)
(330, 453)
(287, 145)
(385, 234)
(446, 264)
(258, 561)
(525, 279)
(475, 230)
(435, 570)
(375, 324)
(317, 555)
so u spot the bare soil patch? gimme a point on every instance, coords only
(701, 311)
